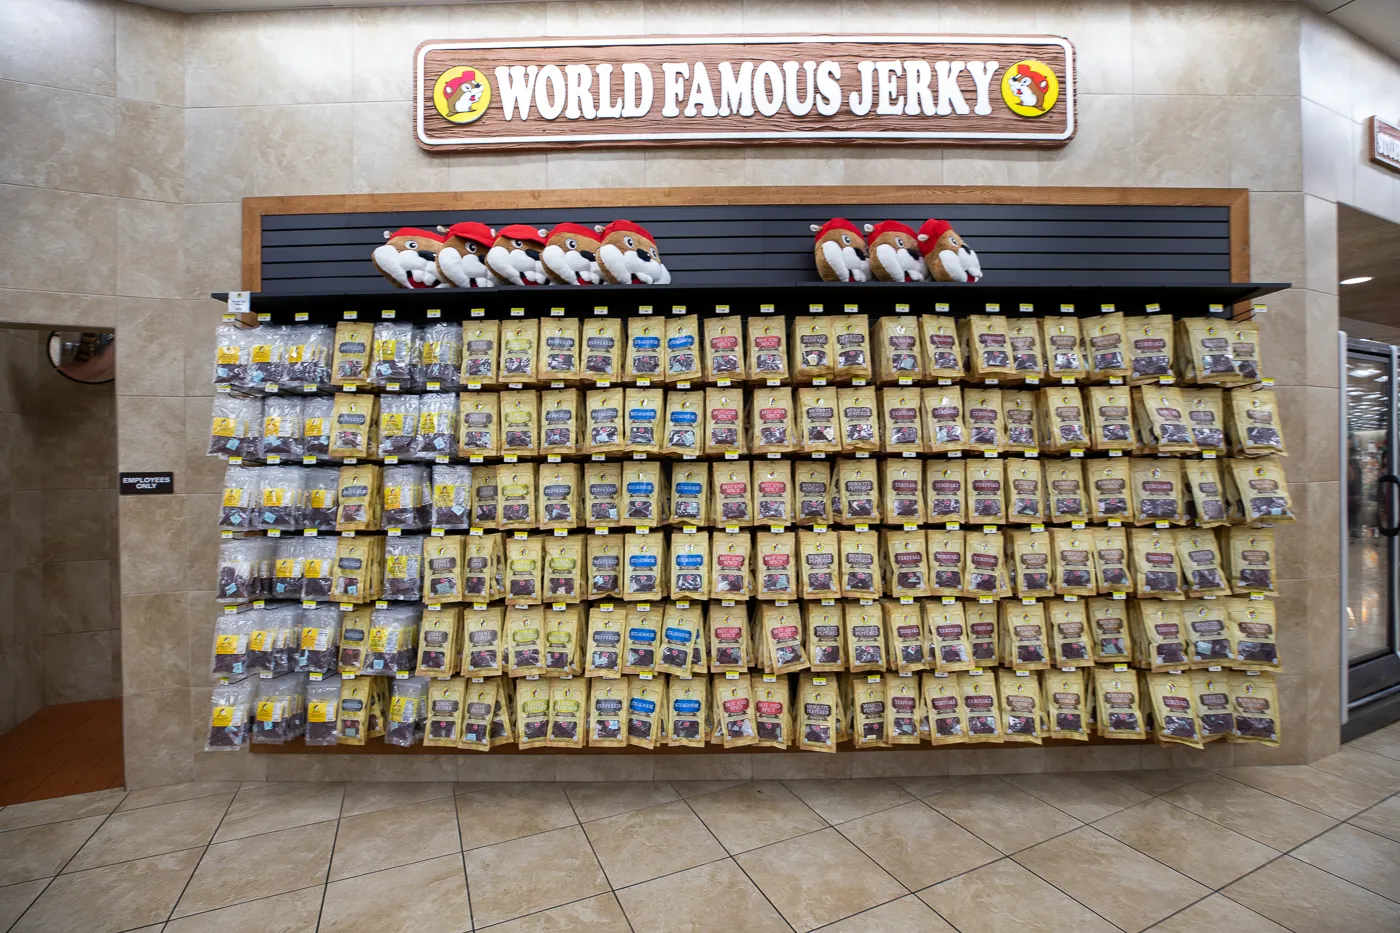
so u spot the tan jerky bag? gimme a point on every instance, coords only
(731, 490)
(1157, 490)
(944, 354)
(481, 352)
(1064, 490)
(897, 349)
(684, 362)
(1021, 420)
(1063, 345)
(1110, 498)
(902, 419)
(774, 425)
(1069, 633)
(1032, 564)
(812, 348)
(1263, 490)
(1149, 340)
(859, 419)
(1106, 340)
(985, 425)
(945, 427)
(826, 636)
(684, 432)
(818, 430)
(732, 567)
(605, 432)
(1111, 418)
(818, 557)
(1156, 571)
(1251, 561)
(605, 567)
(1254, 426)
(946, 491)
(767, 350)
(1063, 420)
(724, 421)
(986, 483)
(602, 494)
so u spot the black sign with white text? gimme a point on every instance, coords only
(147, 484)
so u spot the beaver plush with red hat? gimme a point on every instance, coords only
(514, 257)
(949, 257)
(570, 255)
(408, 258)
(627, 255)
(841, 252)
(462, 259)
(894, 252)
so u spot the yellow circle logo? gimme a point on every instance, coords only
(462, 94)
(1030, 88)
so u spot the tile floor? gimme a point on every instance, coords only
(1247, 850)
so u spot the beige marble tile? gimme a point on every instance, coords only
(150, 149)
(89, 225)
(305, 150)
(598, 800)
(593, 768)
(1193, 845)
(507, 768)
(1096, 156)
(1263, 817)
(67, 613)
(523, 876)
(16, 898)
(849, 798)
(386, 157)
(112, 898)
(909, 763)
(686, 901)
(157, 729)
(641, 845)
(748, 816)
(152, 831)
(1354, 764)
(221, 154)
(41, 851)
(279, 806)
(79, 806)
(66, 43)
(388, 838)
(428, 896)
(923, 787)
(295, 912)
(155, 619)
(1383, 818)
(58, 139)
(364, 797)
(1086, 797)
(150, 55)
(1163, 156)
(1309, 900)
(508, 812)
(1313, 788)
(1004, 816)
(1361, 857)
(481, 171)
(221, 766)
(259, 866)
(681, 167)
(703, 769)
(1266, 143)
(906, 915)
(294, 57)
(600, 913)
(1005, 898)
(175, 793)
(1217, 912)
(795, 766)
(384, 40)
(1320, 238)
(152, 539)
(689, 789)
(1027, 760)
(1157, 781)
(818, 879)
(1118, 883)
(917, 844)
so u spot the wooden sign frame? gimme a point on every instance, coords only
(1380, 137)
(649, 91)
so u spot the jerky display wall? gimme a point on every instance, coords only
(729, 530)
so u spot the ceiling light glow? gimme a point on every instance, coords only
(1358, 280)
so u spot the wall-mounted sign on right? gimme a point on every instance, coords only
(1384, 143)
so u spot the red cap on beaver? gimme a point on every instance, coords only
(520, 232)
(575, 229)
(474, 232)
(929, 234)
(414, 231)
(838, 223)
(890, 226)
(625, 226)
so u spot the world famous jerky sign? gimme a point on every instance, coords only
(614, 92)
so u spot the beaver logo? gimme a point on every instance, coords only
(1030, 88)
(462, 94)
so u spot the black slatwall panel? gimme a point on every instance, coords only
(1018, 244)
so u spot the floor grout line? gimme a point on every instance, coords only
(606, 879)
(330, 860)
(735, 860)
(186, 886)
(65, 864)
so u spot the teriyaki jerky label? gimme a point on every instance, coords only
(642, 414)
(689, 489)
(772, 415)
(818, 561)
(905, 486)
(1109, 485)
(947, 487)
(349, 563)
(1157, 487)
(858, 413)
(978, 703)
(941, 341)
(1252, 556)
(947, 557)
(908, 558)
(602, 490)
(605, 562)
(860, 560)
(601, 415)
(812, 489)
(683, 417)
(558, 416)
(775, 560)
(725, 414)
(826, 632)
(865, 632)
(606, 639)
(642, 561)
(904, 415)
(1159, 559)
(683, 342)
(820, 413)
(1168, 414)
(1257, 629)
(948, 631)
(984, 560)
(908, 632)
(986, 485)
(982, 629)
(557, 491)
(724, 342)
(640, 489)
(982, 415)
(646, 343)
(561, 343)
(944, 704)
(946, 412)
(730, 561)
(690, 560)
(992, 340)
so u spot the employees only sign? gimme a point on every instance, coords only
(973, 90)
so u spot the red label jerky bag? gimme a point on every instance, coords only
(734, 711)
(642, 423)
(949, 641)
(1107, 342)
(850, 335)
(1066, 705)
(817, 422)
(684, 433)
(775, 560)
(602, 351)
(604, 567)
(1263, 490)
(943, 347)
(1021, 420)
(819, 556)
(1064, 490)
(1026, 492)
(813, 492)
(858, 493)
(902, 420)
(865, 634)
(1111, 418)
(683, 360)
(1255, 429)
(904, 711)
(1119, 706)
(1063, 347)
(733, 494)
(1156, 571)
(773, 503)
(1149, 348)
(1025, 646)
(1032, 563)
(1173, 710)
(985, 573)
(1020, 706)
(1063, 419)
(1157, 491)
(986, 492)
(1208, 504)
(983, 629)
(904, 633)
(690, 497)
(944, 702)
(605, 427)
(604, 644)
(1200, 563)
(729, 637)
(826, 637)
(1109, 496)
(817, 703)
(870, 731)
(690, 566)
(724, 349)
(782, 634)
(607, 711)
(1072, 564)
(980, 706)
(1163, 425)
(1069, 633)
(481, 642)
(724, 421)
(947, 490)
(1160, 635)
(1250, 560)
(860, 564)
(768, 352)
(945, 428)
(732, 569)
(1254, 701)
(1254, 634)
(947, 551)
(906, 563)
(858, 419)
(897, 352)
(1207, 357)
(1108, 624)
(774, 428)
(480, 352)
(984, 418)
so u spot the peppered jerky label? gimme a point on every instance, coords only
(865, 632)
(602, 490)
(605, 639)
(820, 560)
(603, 414)
(860, 560)
(826, 632)
(817, 710)
(605, 562)
(1160, 559)
(820, 414)
(858, 413)
(812, 489)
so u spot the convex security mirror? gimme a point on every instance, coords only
(84, 356)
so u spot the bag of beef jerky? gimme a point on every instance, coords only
(567, 712)
(1109, 496)
(1206, 356)
(1205, 409)
(644, 562)
(943, 700)
(1110, 418)
(724, 350)
(906, 563)
(438, 636)
(525, 639)
(1157, 491)
(947, 554)
(483, 634)
(774, 425)
(478, 710)
(1263, 490)
(984, 631)
(870, 720)
(818, 556)
(520, 422)
(485, 493)
(904, 710)
(602, 351)
(812, 481)
(1025, 492)
(1021, 697)
(559, 357)
(904, 633)
(687, 711)
(643, 502)
(606, 630)
(775, 562)
(734, 711)
(944, 353)
(858, 418)
(446, 706)
(1244, 347)
(1163, 423)
(1063, 420)
(1149, 348)
(773, 501)
(1200, 563)
(1063, 346)
(1174, 719)
(1025, 645)
(680, 629)
(858, 492)
(361, 711)
(732, 566)
(1159, 635)
(1211, 691)
(1250, 560)
(524, 576)
(690, 570)
(1069, 633)
(850, 336)
(683, 432)
(826, 636)
(1207, 630)
(561, 640)
(816, 713)
(988, 346)
(865, 638)
(947, 491)
(641, 423)
(817, 421)
(767, 350)
(724, 421)
(1108, 626)
(1072, 561)
(945, 428)
(1106, 341)
(1118, 704)
(1032, 564)
(1208, 503)
(980, 706)
(645, 337)
(532, 713)
(323, 711)
(782, 633)
(480, 352)
(950, 641)
(902, 483)
(683, 360)
(1253, 627)
(986, 484)
(860, 564)
(985, 424)
(1066, 705)
(729, 637)
(605, 431)
(1253, 425)
(1019, 413)
(902, 419)
(985, 573)
(479, 424)
(812, 348)
(1254, 702)
(1156, 570)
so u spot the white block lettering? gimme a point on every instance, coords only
(769, 98)
(800, 108)
(828, 88)
(607, 107)
(702, 95)
(982, 77)
(862, 100)
(517, 84)
(950, 96)
(736, 91)
(580, 81)
(673, 75)
(917, 75)
(638, 86)
(550, 101)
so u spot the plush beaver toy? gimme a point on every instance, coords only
(570, 255)
(894, 252)
(462, 259)
(515, 256)
(949, 257)
(408, 258)
(840, 252)
(627, 255)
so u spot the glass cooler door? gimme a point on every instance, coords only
(1371, 521)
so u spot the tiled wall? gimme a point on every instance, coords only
(59, 641)
(206, 110)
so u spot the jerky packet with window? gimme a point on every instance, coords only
(1068, 626)
(943, 700)
(1066, 705)
(1119, 704)
(816, 712)
(1021, 698)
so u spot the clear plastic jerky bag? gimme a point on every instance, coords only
(290, 562)
(452, 496)
(242, 486)
(408, 712)
(436, 434)
(267, 357)
(280, 710)
(318, 642)
(403, 568)
(393, 641)
(232, 631)
(282, 427)
(397, 348)
(239, 568)
(318, 568)
(407, 496)
(281, 497)
(317, 417)
(232, 347)
(323, 711)
(274, 632)
(308, 354)
(441, 356)
(236, 427)
(321, 487)
(398, 425)
(230, 716)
